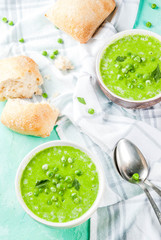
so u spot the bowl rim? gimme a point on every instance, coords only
(76, 221)
(112, 39)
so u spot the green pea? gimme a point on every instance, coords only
(138, 75)
(44, 53)
(63, 160)
(63, 199)
(132, 70)
(55, 169)
(130, 85)
(78, 172)
(4, 19)
(143, 59)
(61, 193)
(54, 181)
(148, 82)
(140, 86)
(45, 167)
(136, 65)
(50, 174)
(46, 190)
(124, 70)
(21, 40)
(58, 176)
(77, 200)
(64, 164)
(60, 40)
(49, 202)
(129, 66)
(153, 59)
(44, 95)
(137, 59)
(53, 189)
(146, 76)
(133, 56)
(36, 193)
(70, 160)
(68, 179)
(135, 176)
(129, 54)
(56, 52)
(52, 56)
(126, 75)
(148, 24)
(73, 195)
(60, 186)
(119, 77)
(91, 111)
(69, 185)
(153, 6)
(40, 190)
(54, 199)
(134, 81)
(57, 204)
(11, 23)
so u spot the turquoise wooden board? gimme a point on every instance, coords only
(15, 224)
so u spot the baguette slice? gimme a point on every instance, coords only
(37, 119)
(19, 78)
(80, 18)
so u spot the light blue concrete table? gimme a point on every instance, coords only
(15, 224)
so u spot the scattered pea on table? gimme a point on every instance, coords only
(44, 53)
(21, 40)
(148, 24)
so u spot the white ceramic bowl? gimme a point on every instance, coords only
(87, 214)
(112, 96)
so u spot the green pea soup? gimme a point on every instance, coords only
(130, 67)
(59, 184)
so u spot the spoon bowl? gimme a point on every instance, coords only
(128, 160)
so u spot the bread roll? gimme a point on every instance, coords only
(28, 118)
(80, 18)
(19, 78)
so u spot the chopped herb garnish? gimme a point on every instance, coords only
(41, 183)
(81, 100)
(44, 53)
(120, 58)
(4, 19)
(76, 184)
(148, 24)
(56, 52)
(60, 40)
(21, 40)
(11, 23)
(44, 95)
(135, 176)
(56, 27)
(153, 6)
(52, 56)
(156, 74)
(91, 111)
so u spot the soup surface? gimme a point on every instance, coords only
(131, 67)
(60, 184)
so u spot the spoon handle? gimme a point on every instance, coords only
(153, 204)
(155, 188)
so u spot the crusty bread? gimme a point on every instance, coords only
(19, 78)
(80, 18)
(28, 118)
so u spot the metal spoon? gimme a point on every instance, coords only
(129, 160)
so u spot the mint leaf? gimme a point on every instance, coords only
(156, 74)
(120, 58)
(81, 100)
(41, 183)
(76, 184)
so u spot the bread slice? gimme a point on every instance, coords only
(29, 118)
(19, 78)
(80, 18)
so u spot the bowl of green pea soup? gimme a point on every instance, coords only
(59, 184)
(128, 68)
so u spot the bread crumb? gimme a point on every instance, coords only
(63, 63)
